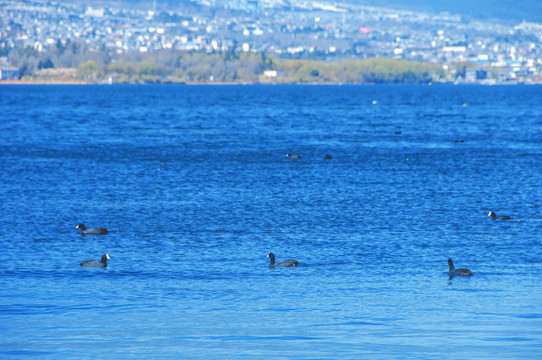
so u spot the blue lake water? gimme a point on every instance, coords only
(194, 186)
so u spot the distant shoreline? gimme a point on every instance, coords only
(81, 82)
(45, 82)
(217, 83)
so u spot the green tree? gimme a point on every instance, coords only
(148, 67)
(88, 70)
(124, 68)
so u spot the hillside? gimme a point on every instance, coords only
(507, 10)
(512, 10)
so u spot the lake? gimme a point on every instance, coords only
(194, 185)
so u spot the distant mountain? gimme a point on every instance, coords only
(512, 10)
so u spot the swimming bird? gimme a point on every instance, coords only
(327, 157)
(94, 263)
(95, 231)
(459, 272)
(293, 156)
(495, 217)
(287, 263)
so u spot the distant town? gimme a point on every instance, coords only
(260, 41)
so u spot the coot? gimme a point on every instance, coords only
(95, 231)
(94, 263)
(459, 272)
(495, 217)
(287, 263)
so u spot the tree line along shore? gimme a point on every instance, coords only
(75, 63)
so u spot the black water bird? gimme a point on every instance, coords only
(94, 231)
(287, 263)
(495, 217)
(459, 272)
(94, 263)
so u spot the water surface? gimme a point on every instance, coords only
(194, 186)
